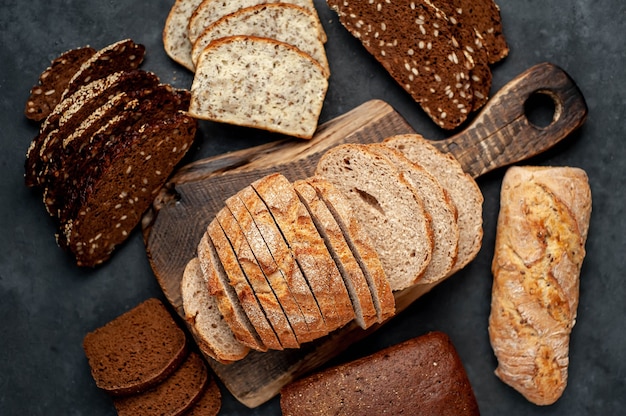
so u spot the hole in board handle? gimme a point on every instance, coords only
(541, 109)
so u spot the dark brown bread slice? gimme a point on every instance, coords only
(209, 403)
(53, 81)
(421, 376)
(172, 397)
(112, 349)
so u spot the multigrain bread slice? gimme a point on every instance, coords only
(207, 325)
(438, 205)
(111, 350)
(285, 22)
(462, 188)
(285, 95)
(308, 248)
(382, 197)
(361, 245)
(46, 94)
(175, 39)
(353, 276)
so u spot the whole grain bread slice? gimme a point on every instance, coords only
(207, 325)
(175, 40)
(383, 198)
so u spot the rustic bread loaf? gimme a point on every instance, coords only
(382, 198)
(421, 376)
(53, 81)
(175, 39)
(539, 250)
(207, 325)
(462, 189)
(284, 22)
(111, 350)
(285, 95)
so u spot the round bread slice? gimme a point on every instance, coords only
(387, 205)
(462, 188)
(260, 83)
(112, 349)
(175, 40)
(207, 325)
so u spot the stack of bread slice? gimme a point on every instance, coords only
(106, 147)
(259, 64)
(284, 263)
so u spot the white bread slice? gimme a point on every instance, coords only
(353, 276)
(207, 325)
(308, 248)
(175, 40)
(382, 197)
(462, 188)
(285, 22)
(260, 83)
(438, 205)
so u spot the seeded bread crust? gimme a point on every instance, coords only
(175, 40)
(53, 81)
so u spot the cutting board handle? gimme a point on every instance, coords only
(501, 134)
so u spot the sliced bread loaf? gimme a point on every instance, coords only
(383, 198)
(175, 39)
(285, 94)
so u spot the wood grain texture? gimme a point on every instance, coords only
(500, 135)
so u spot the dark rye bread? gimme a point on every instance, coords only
(421, 376)
(53, 81)
(209, 403)
(172, 397)
(112, 349)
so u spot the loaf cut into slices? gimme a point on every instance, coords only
(284, 22)
(383, 198)
(285, 94)
(207, 325)
(175, 39)
(438, 206)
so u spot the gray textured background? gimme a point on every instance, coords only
(47, 304)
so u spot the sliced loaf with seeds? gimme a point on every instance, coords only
(285, 95)
(287, 23)
(382, 197)
(207, 325)
(53, 81)
(308, 248)
(462, 188)
(175, 40)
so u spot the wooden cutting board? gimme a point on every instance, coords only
(500, 135)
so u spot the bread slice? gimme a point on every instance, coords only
(308, 248)
(439, 207)
(227, 300)
(111, 350)
(258, 282)
(284, 22)
(360, 244)
(463, 190)
(175, 40)
(209, 403)
(285, 94)
(353, 276)
(46, 94)
(207, 325)
(383, 198)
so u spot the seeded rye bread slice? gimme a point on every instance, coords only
(360, 244)
(463, 190)
(175, 40)
(53, 81)
(383, 198)
(438, 205)
(287, 264)
(111, 350)
(172, 397)
(284, 22)
(207, 325)
(308, 248)
(353, 277)
(285, 95)
(258, 282)
(258, 229)
(227, 301)
(415, 43)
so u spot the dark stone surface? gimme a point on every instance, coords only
(47, 304)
